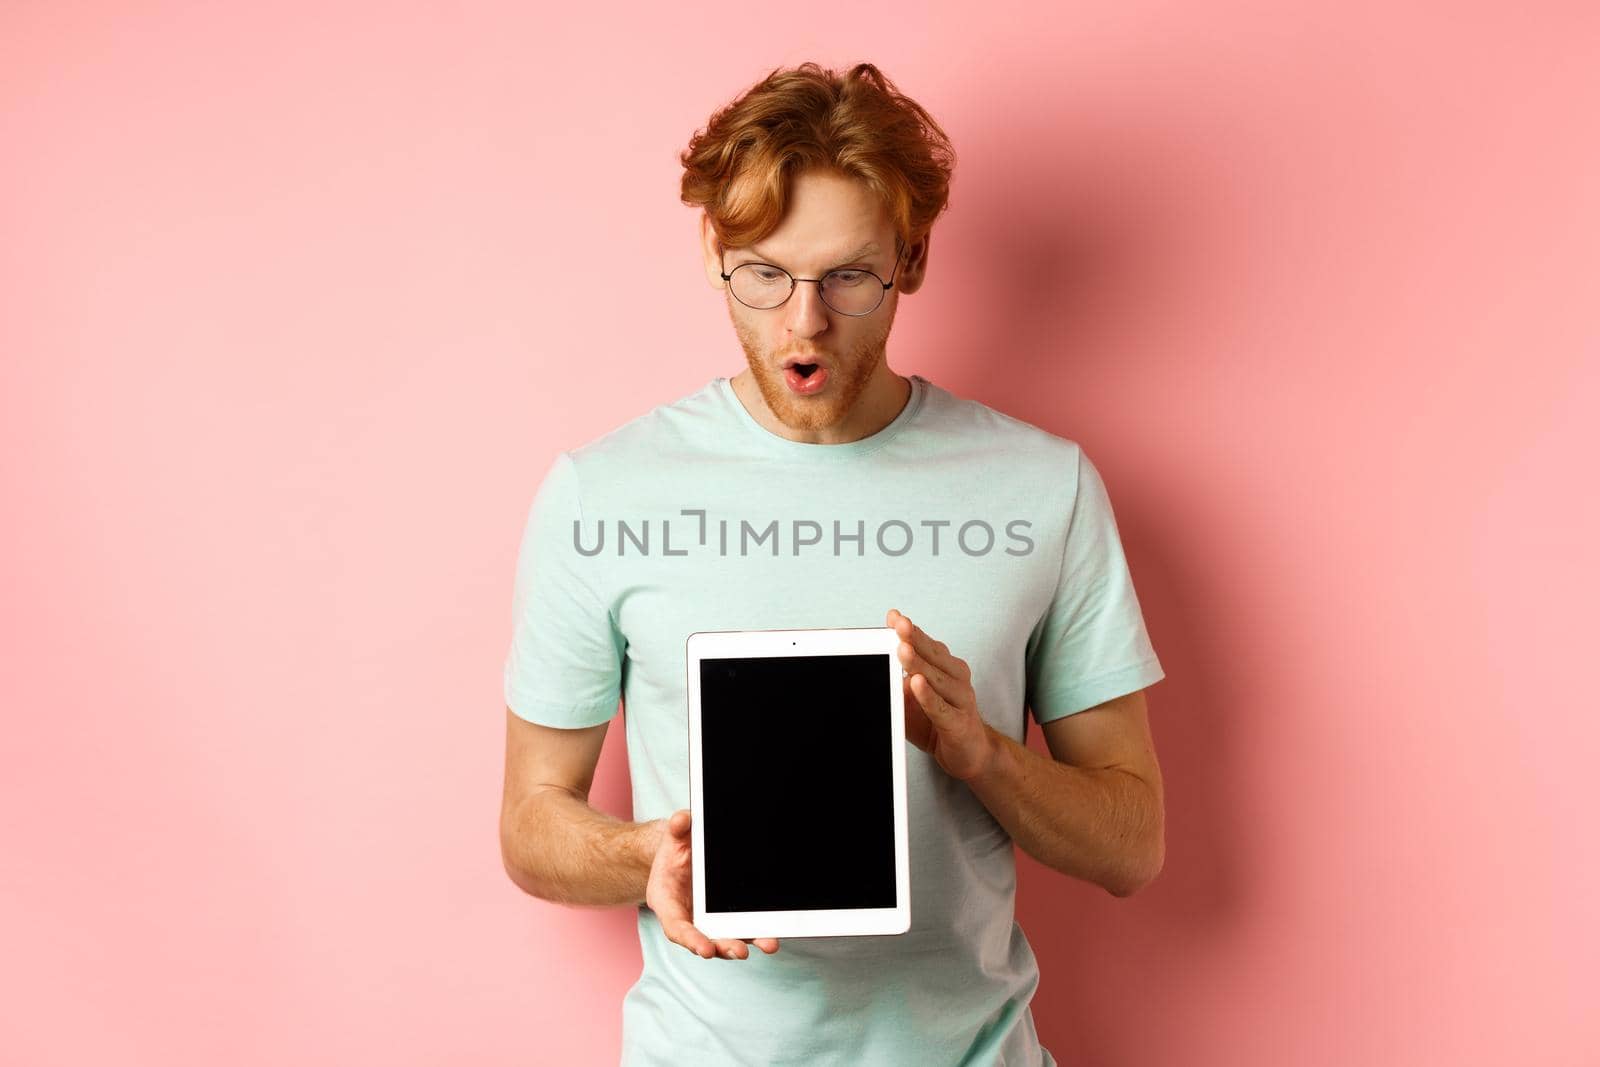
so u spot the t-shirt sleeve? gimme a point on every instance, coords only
(1091, 645)
(564, 667)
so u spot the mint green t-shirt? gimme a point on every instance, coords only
(993, 535)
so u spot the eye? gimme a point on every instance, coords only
(848, 277)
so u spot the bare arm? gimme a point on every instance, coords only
(560, 849)
(554, 844)
(1093, 812)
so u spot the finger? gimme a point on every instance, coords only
(733, 949)
(918, 652)
(913, 662)
(919, 728)
(685, 933)
(938, 709)
(955, 692)
(937, 652)
(932, 649)
(679, 823)
(769, 945)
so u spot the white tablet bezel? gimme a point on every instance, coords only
(836, 922)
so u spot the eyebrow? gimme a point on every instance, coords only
(868, 249)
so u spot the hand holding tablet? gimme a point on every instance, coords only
(942, 716)
(668, 895)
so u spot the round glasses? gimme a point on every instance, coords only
(855, 292)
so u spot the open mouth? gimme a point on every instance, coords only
(806, 379)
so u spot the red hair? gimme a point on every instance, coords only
(739, 167)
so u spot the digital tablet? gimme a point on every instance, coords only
(797, 772)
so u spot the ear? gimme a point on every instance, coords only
(711, 251)
(913, 267)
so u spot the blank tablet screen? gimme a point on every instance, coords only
(798, 783)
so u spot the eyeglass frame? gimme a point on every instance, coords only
(794, 283)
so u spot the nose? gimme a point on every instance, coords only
(807, 315)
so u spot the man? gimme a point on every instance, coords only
(820, 488)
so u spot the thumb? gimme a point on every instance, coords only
(679, 823)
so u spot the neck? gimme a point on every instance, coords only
(884, 397)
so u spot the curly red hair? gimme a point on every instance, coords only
(739, 167)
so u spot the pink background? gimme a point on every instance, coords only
(297, 308)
